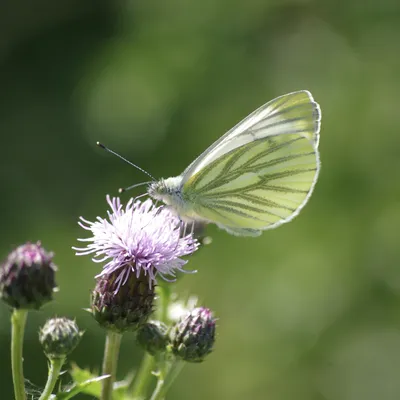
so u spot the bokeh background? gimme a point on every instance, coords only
(310, 311)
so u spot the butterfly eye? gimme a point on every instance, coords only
(163, 188)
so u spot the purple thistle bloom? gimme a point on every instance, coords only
(135, 239)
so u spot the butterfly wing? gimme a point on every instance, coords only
(261, 173)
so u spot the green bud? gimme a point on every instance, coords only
(59, 336)
(194, 336)
(27, 277)
(126, 308)
(153, 337)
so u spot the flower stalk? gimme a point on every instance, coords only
(148, 364)
(110, 360)
(174, 371)
(164, 297)
(143, 377)
(54, 372)
(167, 379)
(157, 394)
(18, 320)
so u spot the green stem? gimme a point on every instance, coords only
(143, 377)
(173, 373)
(18, 320)
(166, 379)
(110, 360)
(157, 391)
(55, 369)
(164, 293)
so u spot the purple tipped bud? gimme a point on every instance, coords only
(153, 337)
(59, 336)
(124, 308)
(27, 278)
(194, 336)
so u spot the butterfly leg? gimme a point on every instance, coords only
(192, 229)
(184, 228)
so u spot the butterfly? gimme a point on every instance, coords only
(257, 176)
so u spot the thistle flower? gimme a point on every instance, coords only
(194, 336)
(125, 309)
(59, 336)
(140, 238)
(27, 277)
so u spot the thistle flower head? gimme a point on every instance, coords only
(27, 277)
(194, 336)
(59, 336)
(138, 238)
(125, 309)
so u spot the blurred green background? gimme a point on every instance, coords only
(308, 311)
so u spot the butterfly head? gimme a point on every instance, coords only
(166, 190)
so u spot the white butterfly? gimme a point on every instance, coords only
(258, 175)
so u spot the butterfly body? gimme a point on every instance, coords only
(169, 191)
(181, 202)
(257, 176)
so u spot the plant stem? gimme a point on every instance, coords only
(18, 320)
(143, 376)
(157, 395)
(173, 373)
(55, 369)
(166, 379)
(164, 293)
(110, 360)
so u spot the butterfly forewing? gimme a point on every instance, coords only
(295, 112)
(262, 172)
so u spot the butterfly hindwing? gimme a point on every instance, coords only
(261, 173)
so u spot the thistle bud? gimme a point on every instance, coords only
(59, 336)
(27, 277)
(125, 308)
(194, 336)
(153, 337)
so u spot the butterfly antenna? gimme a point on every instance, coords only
(122, 190)
(124, 159)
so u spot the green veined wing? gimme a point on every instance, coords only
(262, 172)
